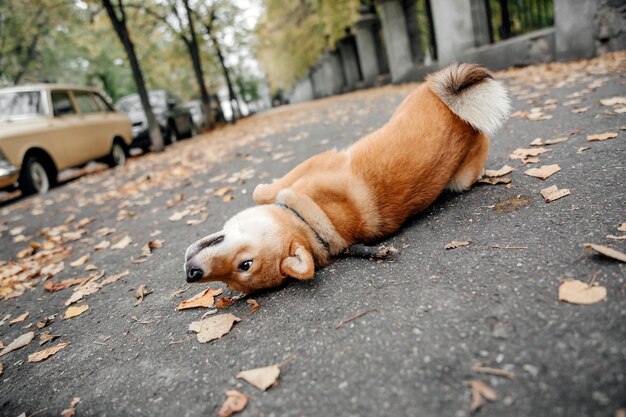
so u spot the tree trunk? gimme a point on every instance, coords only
(231, 91)
(194, 52)
(119, 24)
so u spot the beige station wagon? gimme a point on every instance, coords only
(46, 128)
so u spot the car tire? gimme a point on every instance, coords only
(171, 136)
(117, 156)
(193, 129)
(36, 176)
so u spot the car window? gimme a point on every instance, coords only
(61, 103)
(20, 104)
(86, 102)
(104, 105)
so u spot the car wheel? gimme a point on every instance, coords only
(193, 130)
(117, 157)
(35, 177)
(170, 136)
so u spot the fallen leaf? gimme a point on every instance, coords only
(194, 222)
(613, 101)
(19, 318)
(544, 171)
(51, 270)
(80, 293)
(178, 215)
(146, 250)
(261, 378)
(499, 172)
(235, 402)
(91, 267)
(69, 412)
(18, 343)
(84, 222)
(481, 393)
(47, 337)
(577, 292)
(530, 161)
(228, 198)
(622, 227)
(111, 279)
(582, 149)
(553, 193)
(580, 109)
(214, 327)
(521, 153)
(512, 204)
(1, 369)
(623, 237)
(494, 180)
(254, 306)
(480, 368)
(204, 299)
(541, 142)
(102, 245)
(17, 230)
(222, 191)
(80, 261)
(457, 244)
(140, 293)
(25, 252)
(224, 302)
(104, 231)
(75, 311)
(601, 136)
(606, 251)
(122, 243)
(45, 322)
(46, 353)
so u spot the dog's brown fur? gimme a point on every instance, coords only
(367, 191)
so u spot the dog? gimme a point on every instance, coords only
(436, 139)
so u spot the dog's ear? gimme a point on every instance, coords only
(262, 194)
(299, 264)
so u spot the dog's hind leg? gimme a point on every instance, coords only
(472, 167)
(371, 252)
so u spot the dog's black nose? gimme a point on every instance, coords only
(194, 273)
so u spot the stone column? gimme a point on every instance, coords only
(365, 29)
(396, 38)
(480, 23)
(349, 61)
(453, 29)
(573, 24)
(413, 30)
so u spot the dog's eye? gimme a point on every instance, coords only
(245, 265)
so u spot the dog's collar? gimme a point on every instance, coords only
(319, 239)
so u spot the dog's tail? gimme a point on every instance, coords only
(470, 91)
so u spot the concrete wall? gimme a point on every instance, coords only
(303, 91)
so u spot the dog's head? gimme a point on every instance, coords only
(257, 248)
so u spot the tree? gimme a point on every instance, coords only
(117, 15)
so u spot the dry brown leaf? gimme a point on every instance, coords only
(457, 244)
(51, 270)
(541, 142)
(235, 402)
(582, 149)
(1, 369)
(111, 279)
(47, 337)
(19, 318)
(46, 353)
(580, 109)
(521, 153)
(102, 245)
(614, 237)
(146, 250)
(481, 393)
(543, 172)
(45, 322)
(527, 161)
(499, 172)
(512, 204)
(104, 231)
(553, 193)
(25, 252)
(214, 327)
(612, 101)
(204, 299)
(79, 293)
(601, 136)
(262, 378)
(178, 215)
(224, 302)
(60, 285)
(607, 251)
(140, 293)
(17, 230)
(480, 368)
(80, 261)
(194, 222)
(91, 267)
(123, 243)
(495, 180)
(18, 343)
(222, 191)
(69, 412)
(228, 198)
(577, 292)
(622, 227)
(74, 311)
(254, 306)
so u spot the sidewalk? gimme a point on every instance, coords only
(431, 315)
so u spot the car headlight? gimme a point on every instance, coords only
(6, 168)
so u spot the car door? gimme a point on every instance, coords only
(63, 125)
(181, 115)
(96, 136)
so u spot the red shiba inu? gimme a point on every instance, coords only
(436, 139)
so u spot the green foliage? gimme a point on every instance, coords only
(293, 34)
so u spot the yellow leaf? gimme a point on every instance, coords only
(46, 353)
(262, 378)
(204, 299)
(214, 327)
(75, 311)
(601, 136)
(543, 172)
(578, 292)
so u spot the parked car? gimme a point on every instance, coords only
(173, 118)
(46, 128)
(197, 114)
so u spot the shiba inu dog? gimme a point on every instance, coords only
(436, 139)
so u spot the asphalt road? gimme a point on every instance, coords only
(433, 313)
